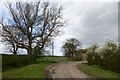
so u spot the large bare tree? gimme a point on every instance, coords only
(34, 24)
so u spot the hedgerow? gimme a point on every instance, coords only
(108, 57)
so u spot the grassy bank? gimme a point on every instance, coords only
(97, 71)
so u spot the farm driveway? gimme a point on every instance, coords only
(68, 70)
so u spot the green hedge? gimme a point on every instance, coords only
(109, 60)
(14, 60)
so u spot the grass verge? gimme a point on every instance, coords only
(35, 70)
(30, 71)
(97, 71)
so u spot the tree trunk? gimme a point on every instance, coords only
(71, 54)
(15, 53)
(31, 55)
(29, 51)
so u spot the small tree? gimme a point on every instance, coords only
(70, 47)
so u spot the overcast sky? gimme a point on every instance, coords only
(89, 22)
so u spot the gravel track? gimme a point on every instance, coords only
(69, 70)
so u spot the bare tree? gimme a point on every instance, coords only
(34, 22)
(8, 38)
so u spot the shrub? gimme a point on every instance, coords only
(110, 61)
(93, 58)
(90, 59)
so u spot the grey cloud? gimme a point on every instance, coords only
(93, 22)
(99, 22)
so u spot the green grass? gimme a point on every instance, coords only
(52, 58)
(35, 70)
(97, 71)
(29, 71)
